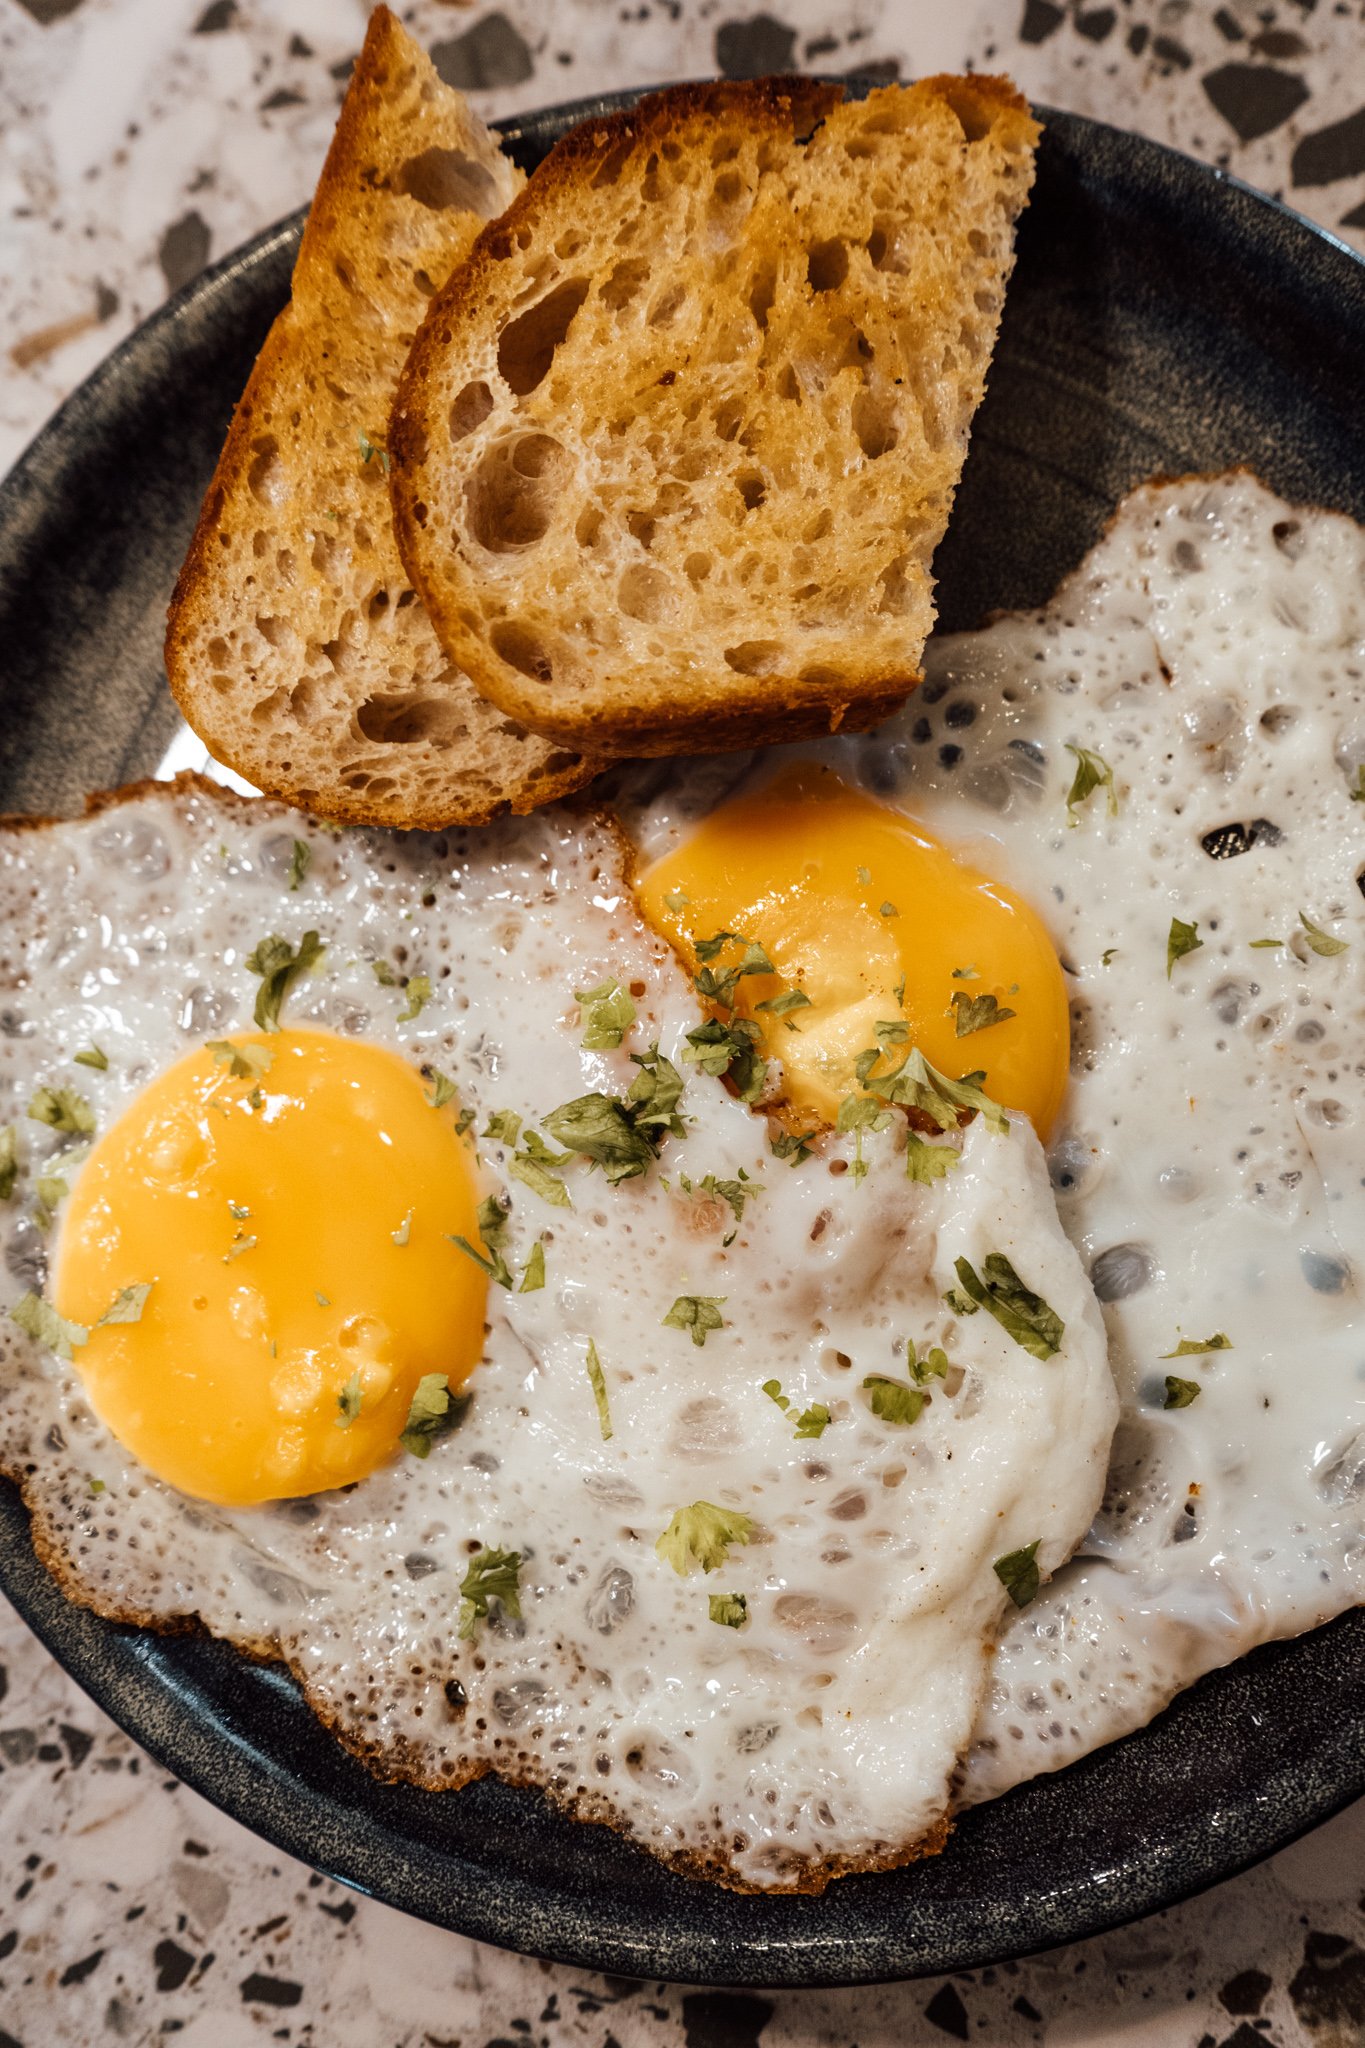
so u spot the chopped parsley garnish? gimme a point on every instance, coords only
(492, 1575)
(678, 901)
(731, 1610)
(1107, 955)
(888, 909)
(653, 1096)
(1021, 1314)
(1357, 795)
(93, 1056)
(623, 1136)
(369, 449)
(933, 1365)
(918, 1085)
(9, 1161)
(494, 1265)
(926, 1162)
(790, 999)
(38, 1319)
(1322, 942)
(241, 1243)
(859, 1113)
(493, 1216)
(52, 1186)
(793, 1146)
(1092, 772)
(697, 1314)
(963, 974)
(534, 1166)
(891, 1400)
(608, 1014)
(127, 1305)
(348, 1401)
(597, 1381)
(1259, 944)
(434, 1412)
(702, 1535)
(1194, 1347)
(735, 1192)
(96, 1486)
(417, 989)
(504, 1127)
(730, 1045)
(1018, 1573)
(322, 1300)
(279, 965)
(1180, 1393)
(384, 974)
(443, 1089)
(978, 1013)
(300, 859)
(403, 1234)
(1182, 939)
(811, 1422)
(865, 877)
(61, 1109)
(243, 1062)
(533, 1279)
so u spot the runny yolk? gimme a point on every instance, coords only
(850, 900)
(295, 1228)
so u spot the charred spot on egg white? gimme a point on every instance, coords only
(816, 913)
(253, 1186)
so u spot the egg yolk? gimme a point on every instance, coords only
(292, 1209)
(872, 920)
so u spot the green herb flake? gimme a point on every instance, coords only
(608, 1014)
(384, 974)
(606, 1131)
(1357, 795)
(38, 1319)
(932, 1366)
(533, 1278)
(1320, 941)
(865, 877)
(279, 965)
(773, 1390)
(965, 974)
(790, 999)
(494, 1265)
(1021, 1314)
(918, 1085)
(978, 1013)
(243, 1062)
(1018, 1573)
(504, 1127)
(322, 1300)
(678, 901)
(93, 1056)
(1194, 1347)
(96, 1486)
(403, 1235)
(1259, 945)
(698, 1314)
(730, 1046)
(369, 449)
(239, 1244)
(813, 1421)
(127, 1305)
(417, 989)
(702, 1535)
(1182, 939)
(443, 1089)
(859, 1114)
(61, 1109)
(731, 1610)
(597, 1381)
(534, 1174)
(348, 1401)
(1180, 1393)
(653, 1096)
(1092, 772)
(434, 1412)
(300, 860)
(888, 910)
(793, 1146)
(9, 1161)
(1109, 953)
(891, 1400)
(926, 1162)
(492, 1575)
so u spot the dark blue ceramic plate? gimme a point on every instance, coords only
(1161, 319)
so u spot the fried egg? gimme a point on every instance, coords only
(1168, 764)
(437, 1319)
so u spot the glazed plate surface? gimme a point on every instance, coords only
(1162, 319)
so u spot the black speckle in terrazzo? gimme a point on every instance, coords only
(1245, 1994)
(1027, 2010)
(173, 1965)
(724, 2019)
(1279, 42)
(8, 2040)
(218, 15)
(1355, 218)
(18, 1745)
(4, 1681)
(1041, 19)
(1254, 98)
(1328, 1992)
(754, 49)
(946, 2011)
(1337, 151)
(1137, 38)
(46, 11)
(8, 1943)
(259, 1990)
(1174, 55)
(343, 1910)
(76, 1973)
(283, 96)
(490, 54)
(76, 1743)
(1097, 25)
(1242, 2037)
(1229, 27)
(184, 250)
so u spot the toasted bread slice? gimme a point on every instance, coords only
(296, 647)
(676, 443)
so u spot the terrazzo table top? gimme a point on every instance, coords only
(139, 139)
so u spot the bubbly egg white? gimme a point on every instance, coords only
(1209, 1159)
(822, 1733)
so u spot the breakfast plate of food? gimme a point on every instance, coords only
(680, 1166)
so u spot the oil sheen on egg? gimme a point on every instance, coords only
(1207, 1158)
(753, 1533)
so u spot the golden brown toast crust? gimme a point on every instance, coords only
(569, 523)
(295, 646)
